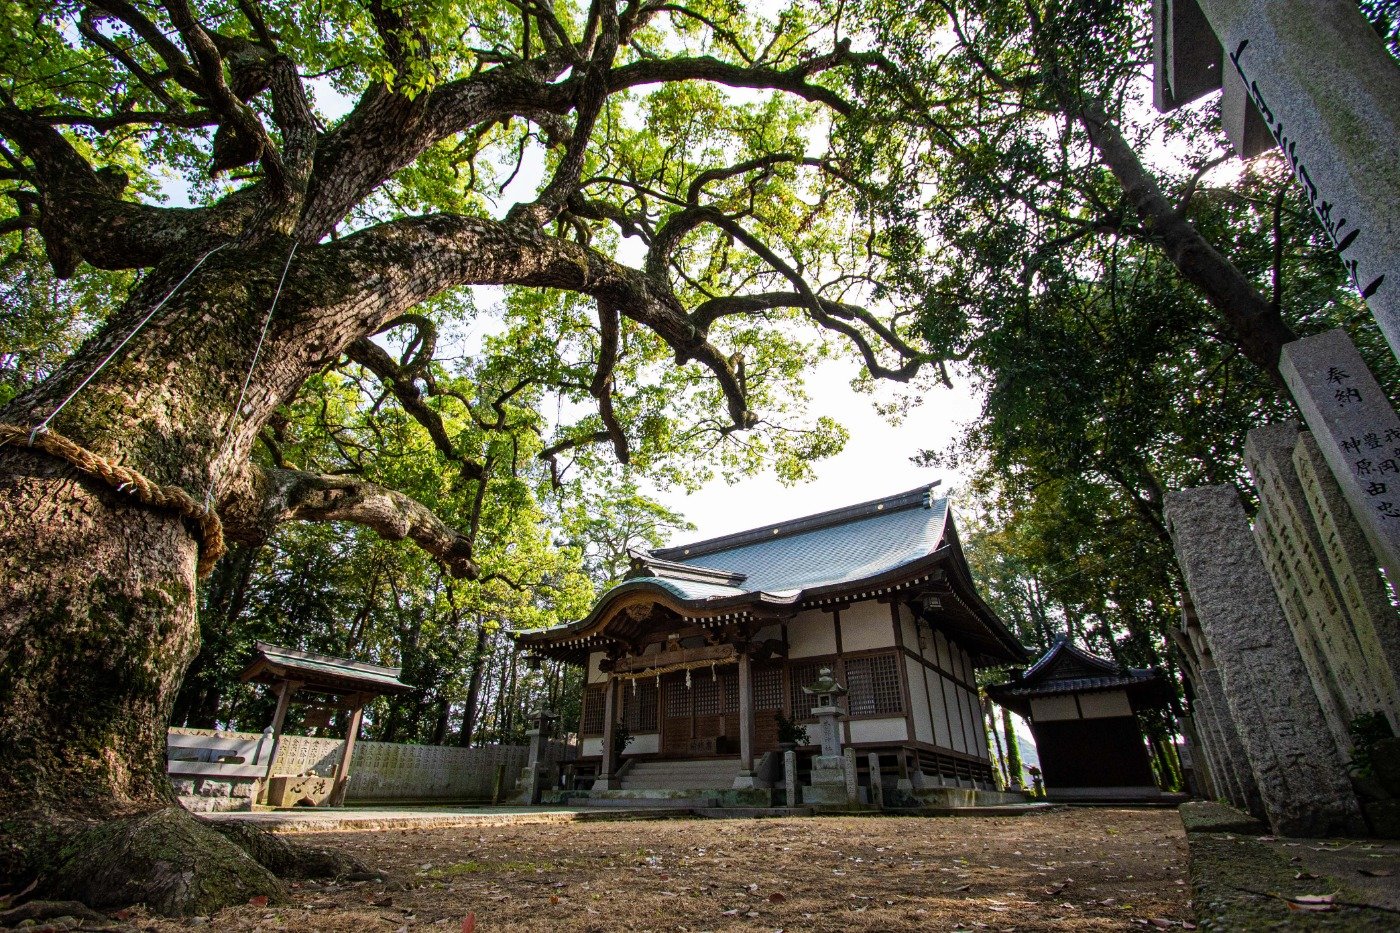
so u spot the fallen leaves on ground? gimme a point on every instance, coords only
(813, 874)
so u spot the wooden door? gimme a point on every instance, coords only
(767, 704)
(678, 721)
(702, 719)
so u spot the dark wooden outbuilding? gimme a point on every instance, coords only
(1082, 710)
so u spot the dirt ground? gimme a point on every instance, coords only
(1060, 870)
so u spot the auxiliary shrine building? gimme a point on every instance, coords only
(702, 647)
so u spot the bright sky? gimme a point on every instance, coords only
(875, 462)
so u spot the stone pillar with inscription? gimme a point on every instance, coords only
(1301, 776)
(1293, 553)
(1356, 430)
(1363, 592)
(1234, 760)
(1234, 780)
(1314, 79)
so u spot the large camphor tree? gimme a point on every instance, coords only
(339, 164)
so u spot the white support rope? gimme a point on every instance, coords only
(247, 379)
(44, 425)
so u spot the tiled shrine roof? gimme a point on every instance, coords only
(870, 549)
(1067, 668)
(321, 672)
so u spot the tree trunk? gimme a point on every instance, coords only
(97, 591)
(989, 717)
(473, 702)
(1013, 747)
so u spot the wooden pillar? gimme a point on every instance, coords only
(609, 722)
(284, 699)
(342, 770)
(745, 712)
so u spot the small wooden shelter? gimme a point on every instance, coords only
(339, 683)
(1082, 710)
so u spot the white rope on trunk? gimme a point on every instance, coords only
(44, 425)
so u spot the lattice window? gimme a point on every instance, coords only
(804, 674)
(729, 682)
(639, 705)
(591, 719)
(874, 685)
(706, 694)
(677, 697)
(768, 688)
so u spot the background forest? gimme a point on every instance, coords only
(987, 212)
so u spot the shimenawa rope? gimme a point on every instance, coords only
(129, 482)
(132, 482)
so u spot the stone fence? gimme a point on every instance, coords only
(379, 771)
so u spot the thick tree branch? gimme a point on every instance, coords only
(238, 119)
(271, 496)
(399, 380)
(83, 217)
(413, 259)
(794, 80)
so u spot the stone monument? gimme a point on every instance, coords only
(1300, 774)
(534, 776)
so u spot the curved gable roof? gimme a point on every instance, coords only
(823, 558)
(845, 545)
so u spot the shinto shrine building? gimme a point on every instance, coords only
(702, 647)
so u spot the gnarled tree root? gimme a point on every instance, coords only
(167, 860)
(175, 864)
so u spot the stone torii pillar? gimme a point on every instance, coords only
(1313, 78)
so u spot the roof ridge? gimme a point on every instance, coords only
(264, 647)
(1066, 643)
(918, 497)
(646, 564)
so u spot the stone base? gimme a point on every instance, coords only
(1125, 794)
(197, 804)
(215, 794)
(825, 794)
(744, 780)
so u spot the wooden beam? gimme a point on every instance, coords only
(720, 654)
(609, 728)
(284, 699)
(342, 770)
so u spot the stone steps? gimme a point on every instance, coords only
(648, 803)
(691, 774)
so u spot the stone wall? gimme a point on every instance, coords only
(382, 771)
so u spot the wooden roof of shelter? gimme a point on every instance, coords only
(902, 547)
(1067, 668)
(321, 673)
